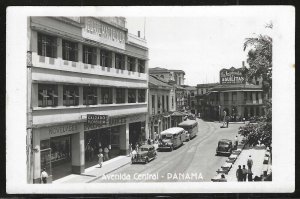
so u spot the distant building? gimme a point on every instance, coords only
(191, 101)
(170, 76)
(202, 90)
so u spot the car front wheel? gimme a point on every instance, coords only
(146, 160)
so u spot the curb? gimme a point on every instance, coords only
(96, 178)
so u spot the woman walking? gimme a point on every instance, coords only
(100, 156)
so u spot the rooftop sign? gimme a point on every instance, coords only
(104, 33)
(232, 76)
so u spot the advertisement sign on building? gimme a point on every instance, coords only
(97, 119)
(104, 33)
(232, 76)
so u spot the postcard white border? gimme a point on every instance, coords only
(283, 99)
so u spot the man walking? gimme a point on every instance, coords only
(236, 142)
(239, 174)
(44, 176)
(250, 163)
(245, 172)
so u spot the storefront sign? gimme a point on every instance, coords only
(101, 32)
(97, 119)
(232, 76)
(112, 121)
(63, 129)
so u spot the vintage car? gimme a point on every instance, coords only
(145, 154)
(224, 147)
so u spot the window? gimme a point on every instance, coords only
(89, 55)
(120, 62)
(234, 97)
(167, 103)
(89, 95)
(141, 66)
(47, 95)
(251, 98)
(71, 95)
(105, 58)
(70, 51)
(257, 97)
(141, 95)
(47, 46)
(225, 98)
(106, 95)
(131, 95)
(245, 96)
(131, 64)
(163, 103)
(192, 94)
(120, 95)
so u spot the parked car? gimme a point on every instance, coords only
(145, 154)
(225, 146)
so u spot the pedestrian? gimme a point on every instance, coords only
(44, 176)
(149, 141)
(227, 121)
(137, 147)
(106, 151)
(239, 174)
(244, 120)
(134, 153)
(223, 179)
(100, 159)
(245, 172)
(236, 142)
(250, 163)
(250, 174)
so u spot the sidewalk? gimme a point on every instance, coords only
(257, 153)
(93, 173)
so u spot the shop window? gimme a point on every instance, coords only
(70, 51)
(60, 149)
(141, 66)
(131, 95)
(120, 61)
(89, 55)
(47, 46)
(105, 58)
(89, 95)
(120, 95)
(47, 95)
(142, 95)
(71, 95)
(106, 95)
(131, 64)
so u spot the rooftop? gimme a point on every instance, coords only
(164, 70)
(155, 82)
(222, 87)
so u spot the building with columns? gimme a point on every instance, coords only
(78, 66)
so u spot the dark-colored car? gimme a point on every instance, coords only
(224, 147)
(145, 154)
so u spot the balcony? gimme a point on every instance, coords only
(137, 40)
(81, 69)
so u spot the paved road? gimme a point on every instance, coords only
(193, 162)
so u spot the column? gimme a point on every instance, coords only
(80, 95)
(36, 156)
(254, 97)
(114, 97)
(124, 138)
(34, 41)
(136, 95)
(98, 57)
(147, 134)
(80, 51)
(113, 61)
(78, 152)
(155, 105)
(99, 100)
(59, 48)
(126, 95)
(149, 97)
(60, 93)
(260, 98)
(222, 99)
(34, 95)
(136, 65)
(126, 64)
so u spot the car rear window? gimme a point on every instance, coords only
(223, 144)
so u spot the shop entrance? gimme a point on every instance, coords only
(56, 156)
(135, 133)
(106, 139)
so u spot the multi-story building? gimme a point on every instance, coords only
(171, 76)
(79, 68)
(202, 89)
(191, 101)
(235, 96)
(161, 103)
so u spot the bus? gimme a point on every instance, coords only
(171, 138)
(191, 126)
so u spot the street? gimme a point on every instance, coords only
(193, 162)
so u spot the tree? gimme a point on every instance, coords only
(260, 59)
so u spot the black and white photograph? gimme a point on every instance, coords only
(150, 99)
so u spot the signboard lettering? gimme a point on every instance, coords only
(97, 119)
(104, 33)
(231, 76)
(65, 129)
(111, 122)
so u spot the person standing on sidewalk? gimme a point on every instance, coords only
(245, 172)
(239, 174)
(250, 163)
(44, 176)
(106, 151)
(100, 156)
(250, 174)
(236, 142)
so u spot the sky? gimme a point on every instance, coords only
(200, 46)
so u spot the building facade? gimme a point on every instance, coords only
(160, 105)
(202, 90)
(80, 67)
